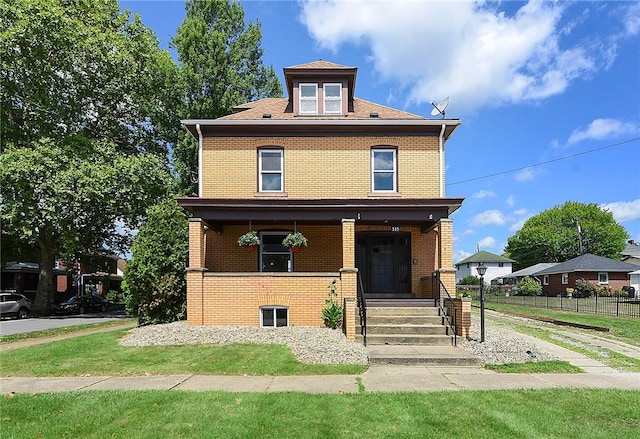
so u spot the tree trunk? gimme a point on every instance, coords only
(43, 304)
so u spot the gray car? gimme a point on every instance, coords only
(12, 304)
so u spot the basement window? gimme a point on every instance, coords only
(274, 317)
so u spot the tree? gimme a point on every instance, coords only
(86, 122)
(154, 284)
(469, 280)
(529, 287)
(564, 232)
(221, 67)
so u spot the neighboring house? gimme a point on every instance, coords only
(362, 181)
(631, 253)
(597, 270)
(515, 277)
(22, 278)
(497, 266)
(634, 281)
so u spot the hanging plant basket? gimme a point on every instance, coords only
(295, 241)
(249, 239)
(251, 248)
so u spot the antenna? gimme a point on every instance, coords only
(440, 108)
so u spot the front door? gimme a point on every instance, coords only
(383, 260)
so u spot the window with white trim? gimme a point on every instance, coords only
(308, 98)
(274, 316)
(332, 98)
(274, 257)
(565, 279)
(603, 278)
(271, 170)
(383, 170)
(545, 279)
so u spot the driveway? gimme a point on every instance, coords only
(10, 327)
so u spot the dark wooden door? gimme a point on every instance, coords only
(383, 260)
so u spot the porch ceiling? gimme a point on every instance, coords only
(423, 212)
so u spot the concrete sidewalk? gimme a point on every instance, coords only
(389, 378)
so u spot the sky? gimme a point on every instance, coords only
(548, 93)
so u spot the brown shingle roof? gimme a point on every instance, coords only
(319, 64)
(279, 109)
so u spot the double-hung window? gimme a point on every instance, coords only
(271, 170)
(308, 98)
(603, 278)
(332, 98)
(564, 279)
(383, 170)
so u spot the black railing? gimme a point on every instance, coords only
(439, 290)
(362, 310)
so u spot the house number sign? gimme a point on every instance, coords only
(395, 228)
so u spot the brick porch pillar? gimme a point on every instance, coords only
(349, 276)
(445, 267)
(195, 272)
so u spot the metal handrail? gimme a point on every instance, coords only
(438, 287)
(362, 309)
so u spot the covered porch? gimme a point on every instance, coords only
(388, 248)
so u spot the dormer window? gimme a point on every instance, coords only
(332, 98)
(308, 98)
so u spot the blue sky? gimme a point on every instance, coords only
(548, 93)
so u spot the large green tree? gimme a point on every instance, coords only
(87, 116)
(564, 232)
(221, 67)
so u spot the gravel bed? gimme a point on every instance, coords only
(502, 347)
(308, 345)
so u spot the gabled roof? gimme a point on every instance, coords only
(320, 69)
(484, 256)
(632, 250)
(530, 271)
(589, 262)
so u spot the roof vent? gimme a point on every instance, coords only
(266, 115)
(373, 114)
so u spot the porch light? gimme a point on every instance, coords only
(481, 269)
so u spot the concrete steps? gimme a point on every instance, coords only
(441, 356)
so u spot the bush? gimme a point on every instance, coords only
(115, 296)
(332, 312)
(529, 287)
(154, 282)
(469, 280)
(584, 289)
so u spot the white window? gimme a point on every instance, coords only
(603, 278)
(332, 98)
(383, 170)
(545, 279)
(274, 317)
(274, 257)
(565, 278)
(271, 165)
(308, 98)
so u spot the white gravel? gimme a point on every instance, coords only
(308, 345)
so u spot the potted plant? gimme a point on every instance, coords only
(249, 240)
(295, 241)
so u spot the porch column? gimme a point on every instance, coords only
(445, 256)
(349, 276)
(195, 272)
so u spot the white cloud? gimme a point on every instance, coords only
(429, 47)
(488, 242)
(461, 255)
(511, 201)
(488, 218)
(601, 129)
(484, 194)
(623, 210)
(526, 174)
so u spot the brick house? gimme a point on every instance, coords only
(363, 182)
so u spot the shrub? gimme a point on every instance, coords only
(332, 312)
(584, 288)
(469, 280)
(603, 291)
(529, 287)
(154, 282)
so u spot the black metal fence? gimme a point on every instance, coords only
(618, 306)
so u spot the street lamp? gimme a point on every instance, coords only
(481, 271)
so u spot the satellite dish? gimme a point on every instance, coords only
(440, 108)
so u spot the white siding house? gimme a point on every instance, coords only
(497, 266)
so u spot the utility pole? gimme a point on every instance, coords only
(579, 236)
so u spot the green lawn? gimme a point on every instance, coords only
(557, 413)
(101, 354)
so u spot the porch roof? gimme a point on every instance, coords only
(418, 211)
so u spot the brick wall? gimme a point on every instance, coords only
(319, 167)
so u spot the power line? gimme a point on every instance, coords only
(546, 162)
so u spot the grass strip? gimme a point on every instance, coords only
(47, 333)
(553, 366)
(548, 413)
(101, 354)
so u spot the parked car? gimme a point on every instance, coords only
(82, 304)
(12, 304)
